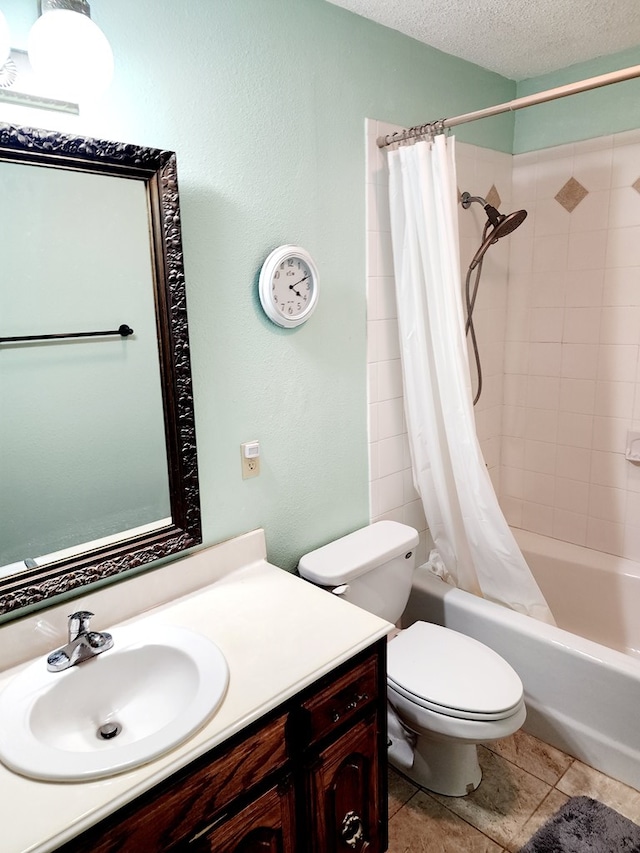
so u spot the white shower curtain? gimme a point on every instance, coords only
(471, 534)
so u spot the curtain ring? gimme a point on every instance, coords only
(427, 130)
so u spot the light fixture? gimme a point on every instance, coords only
(5, 40)
(69, 59)
(68, 50)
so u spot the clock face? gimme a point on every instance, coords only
(292, 287)
(288, 286)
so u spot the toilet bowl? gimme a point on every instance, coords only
(452, 693)
(449, 691)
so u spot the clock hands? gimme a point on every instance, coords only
(293, 286)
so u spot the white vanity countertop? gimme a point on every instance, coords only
(277, 632)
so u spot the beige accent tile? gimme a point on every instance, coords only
(547, 808)
(425, 826)
(581, 780)
(400, 792)
(533, 755)
(571, 194)
(493, 197)
(504, 801)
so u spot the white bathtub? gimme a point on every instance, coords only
(582, 696)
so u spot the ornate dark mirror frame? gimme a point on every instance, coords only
(157, 169)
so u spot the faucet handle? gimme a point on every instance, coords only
(79, 623)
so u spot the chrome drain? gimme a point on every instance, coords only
(108, 730)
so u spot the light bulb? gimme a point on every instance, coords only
(71, 53)
(5, 43)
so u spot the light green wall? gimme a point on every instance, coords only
(264, 102)
(610, 109)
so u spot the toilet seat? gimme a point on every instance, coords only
(448, 673)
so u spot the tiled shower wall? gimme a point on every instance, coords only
(572, 374)
(481, 172)
(558, 323)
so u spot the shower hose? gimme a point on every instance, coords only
(470, 300)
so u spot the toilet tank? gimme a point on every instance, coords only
(375, 564)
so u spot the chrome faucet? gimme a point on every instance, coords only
(83, 643)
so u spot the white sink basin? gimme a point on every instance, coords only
(159, 683)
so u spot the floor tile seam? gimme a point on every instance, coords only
(508, 849)
(611, 779)
(460, 817)
(528, 771)
(521, 823)
(398, 810)
(541, 803)
(535, 809)
(442, 803)
(564, 774)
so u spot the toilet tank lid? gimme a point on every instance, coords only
(350, 556)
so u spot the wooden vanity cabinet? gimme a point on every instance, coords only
(310, 777)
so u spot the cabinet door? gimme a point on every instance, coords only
(343, 790)
(266, 825)
(178, 808)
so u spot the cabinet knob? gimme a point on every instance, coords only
(351, 829)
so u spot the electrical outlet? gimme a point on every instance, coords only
(250, 459)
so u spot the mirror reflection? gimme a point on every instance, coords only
(82, 416)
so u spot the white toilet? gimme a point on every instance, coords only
(449, 690)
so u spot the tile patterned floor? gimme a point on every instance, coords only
(524, 782)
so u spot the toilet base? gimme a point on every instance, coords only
(444, 767)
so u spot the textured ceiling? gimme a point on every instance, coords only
(515, 38)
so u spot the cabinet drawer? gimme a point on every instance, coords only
(266, 824)
(341, 700)
(174, 810)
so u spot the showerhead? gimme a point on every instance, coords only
(508, 223)
(502, 223)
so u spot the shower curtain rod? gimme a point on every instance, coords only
(517, 104)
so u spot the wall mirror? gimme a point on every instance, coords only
(98, 467)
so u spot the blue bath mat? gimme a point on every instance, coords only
(584, 825)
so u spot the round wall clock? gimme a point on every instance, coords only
(288, 286)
